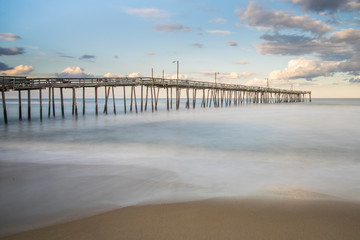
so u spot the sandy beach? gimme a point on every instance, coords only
(215, 219)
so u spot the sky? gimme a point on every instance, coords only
(304, 44)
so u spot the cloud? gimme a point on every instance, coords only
(256, 82)
(147, 12)
(219, 20)
(355, 79)
(257, 16)
(66, 56)
(197, 45)
(305, 68)
(351, 65)
(340, 45)
(112, 75)
(231, 43)
(241, 62)
(326, 5)
(9, 36)
(172, 28)
(18, 70)
(74, 72)
(309, 69)
(9, 51)
(3, 67)
(54, 60)
(151, 53)
(87, 57)
(219, 32)
(134, 75)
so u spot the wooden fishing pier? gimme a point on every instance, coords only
(212, 94)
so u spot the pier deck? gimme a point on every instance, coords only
(216, 94)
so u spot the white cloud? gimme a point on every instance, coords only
(172, 28)
(231, 43)
(219, 20)
(18, 70)
(147, 12)
(74, 72)
(305, 68)
(234, 75)
(134, 75)
(256, 82)
(112, 75)
(219, 32)
(9, 36)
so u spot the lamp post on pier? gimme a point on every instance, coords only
(177, 71)
(215, 76)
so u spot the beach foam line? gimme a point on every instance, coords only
(226, 218)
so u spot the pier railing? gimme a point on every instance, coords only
(24, 83)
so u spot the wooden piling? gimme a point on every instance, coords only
(53, 100)
(4, 106)
(136, 109)
(152, 100)
(187, 98)
(40, 99)
(131, 98)
(178, 97)
(29, 105)
(20, 109)
(83, 100)
(157, 98)
(113, 94)
(124, 100)
(107, 93)
(96, 101)
(49, 102)
(167, 99)
(62, 103)
(75, 110)
(142, 102)
(203, 99)
(171, 97)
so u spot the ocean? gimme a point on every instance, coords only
(61, 169)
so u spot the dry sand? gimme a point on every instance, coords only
(215, 219)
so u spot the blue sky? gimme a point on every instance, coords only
(312, 45)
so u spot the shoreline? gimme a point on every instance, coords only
(220, 218)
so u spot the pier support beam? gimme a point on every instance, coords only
(29, 105)
(62, 103)
(96, 102)
(40, 99)
(49, 102)
(20, 109)
(53, 100)
(83, 100)
(124, 101)
(4, 106)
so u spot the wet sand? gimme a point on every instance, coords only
(215, 219)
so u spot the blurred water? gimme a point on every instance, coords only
(65, 168)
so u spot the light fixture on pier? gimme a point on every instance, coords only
(177, 71)
(215, 76)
